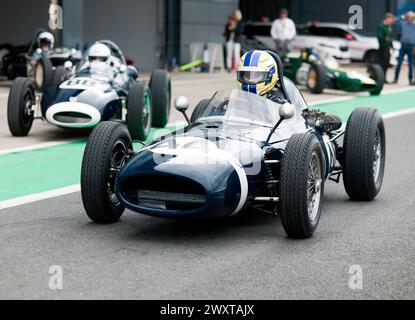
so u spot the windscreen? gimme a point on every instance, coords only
(241, 106)
(97, 70)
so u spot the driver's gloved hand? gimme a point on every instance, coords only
(329, 122)
(321, 120)
(272, 97)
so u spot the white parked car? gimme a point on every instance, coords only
(361, 47)
(338, 39)
(337, 48)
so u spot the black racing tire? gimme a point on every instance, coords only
(160, 86)
(317, 79)
(371, 56)
(303, 151)
(20, 107)
(199, 110)
(139, 106)
(376, 73)
(59, 74)
(5, 50)
(43, 74)
(365, 131)
(104, 149)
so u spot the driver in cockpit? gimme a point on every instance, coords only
(258, 73)
(100, 53)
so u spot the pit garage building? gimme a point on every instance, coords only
(152, 32)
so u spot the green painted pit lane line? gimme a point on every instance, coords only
(35, 171)
(386, 103)
(41, 170)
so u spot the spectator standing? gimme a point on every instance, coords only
(385, 38)
(283, 31)
(407, 45)
(233, 33)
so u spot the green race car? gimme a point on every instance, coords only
(318, 74)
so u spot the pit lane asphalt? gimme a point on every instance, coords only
(247, 257)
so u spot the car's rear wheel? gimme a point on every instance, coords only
(199, 110)
(160, 86)
(377, 74)
(139, 107)
(106, 153)
(43, 74)
(316, 80)
(371, 56)
(301, 186)
(21, 107)
(364, 154)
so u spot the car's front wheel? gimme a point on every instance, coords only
(59, 74)
(106, 153)
(364, 154)
(301, 186)
(21, 107)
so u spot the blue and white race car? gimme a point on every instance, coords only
(101, 87)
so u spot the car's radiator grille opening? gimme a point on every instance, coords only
(164, 192)
(72, 117)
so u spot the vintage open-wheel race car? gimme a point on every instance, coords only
(86, 94)
(239, 151)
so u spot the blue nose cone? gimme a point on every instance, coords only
(187, 185)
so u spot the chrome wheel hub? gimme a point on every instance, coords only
(146, 114)
(28, 107)
(377, 161)
(314, 187)
(118, 160)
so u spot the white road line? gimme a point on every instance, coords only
(38, 146)
(397, 114)
(397, 90)
(348, 98)
(39, 197)
(331, 100)
(179, 125)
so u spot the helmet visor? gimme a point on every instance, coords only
(253, 77)
(45, 42)
(101, 59)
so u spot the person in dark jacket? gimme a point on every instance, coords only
(233, 33)
(407, 28)
(385, 38)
